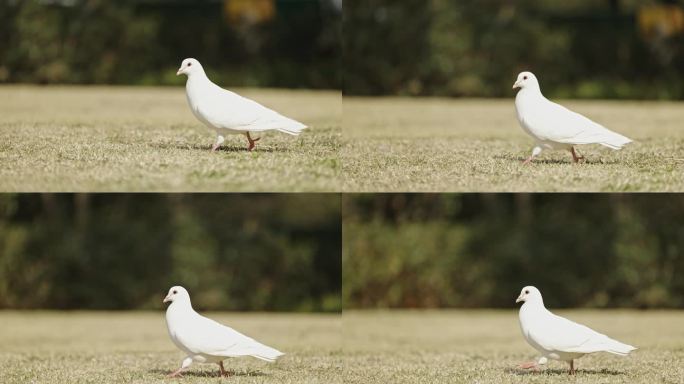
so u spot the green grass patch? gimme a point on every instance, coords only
(134, 347)
(445, 145)
(130, 139)
(486, 347)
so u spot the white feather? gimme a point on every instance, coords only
(228, 112)
(554, 126)
(558, 338)
(205, 340)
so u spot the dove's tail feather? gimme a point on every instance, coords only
(266, 353)
(293, 127)
(255, 349)
(603, 343)
(278, 123)
(614, 140)
(618, 348)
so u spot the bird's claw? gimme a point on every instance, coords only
(252, 142)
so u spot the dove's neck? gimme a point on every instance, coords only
(531, 309)
(198, 84)
(179, 308)
(178, 315)
(198, 79)
(530, 92)
(527, 100)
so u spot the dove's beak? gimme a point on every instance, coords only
(180, 70)
(516, 85)
(519, 299)
(166, 299)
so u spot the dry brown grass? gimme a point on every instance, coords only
(486, 347)
(134, 347)
(444, 145)
(132, 139)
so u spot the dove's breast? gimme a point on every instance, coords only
(530, 319)
(175, 324)
(194, 102)
(524, 112)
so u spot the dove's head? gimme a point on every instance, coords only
(526, 80)
(189, 66)
(177, 293)
(529, 294)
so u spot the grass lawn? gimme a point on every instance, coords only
(134, 347)
(443, 145)
(146, 139)
(486, 346)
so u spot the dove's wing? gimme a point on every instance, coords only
(207, 336)
(560, 334)
(553, 122)
(226, 109)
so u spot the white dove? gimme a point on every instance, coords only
(204, 340)
(227, 112)
(558, 338)
(555, 127)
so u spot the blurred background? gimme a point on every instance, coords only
(260, 43)
(613, 49)
(479, 250)
(245, 252)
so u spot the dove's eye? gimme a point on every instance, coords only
(189, 64)
(524, 77)
(174, 292)
(526, 292)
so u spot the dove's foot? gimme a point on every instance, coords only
(219, 140)
(224, 373)
(576, 157)
(530, 365)
(177, 373)
(252, 143)
(535, 152)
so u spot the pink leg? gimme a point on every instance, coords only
(176, 373)
(575, 157)
(214, 147)
(252, 142)
(530, 365)
(529, 160)
(224, 373)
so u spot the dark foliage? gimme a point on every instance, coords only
(143, 42)
(232, 251)
(586, 49)
(479, 250)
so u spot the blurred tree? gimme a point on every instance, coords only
(296, 44)
(39, 47)
(385, 45)
(478, 250)
(235, 252)
(473, 48)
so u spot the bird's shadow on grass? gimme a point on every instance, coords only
(555, 161)
(213, 373)
(224, 148)
(557, 372)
